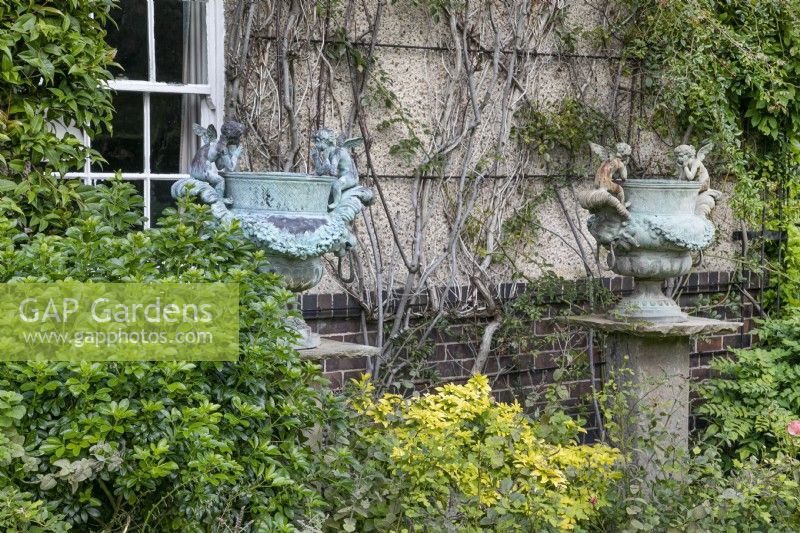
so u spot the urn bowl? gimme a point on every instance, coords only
(654, 242)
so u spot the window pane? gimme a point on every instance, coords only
(160, 198)
(129, 37)
(165, 132)
(124, 148)
(180, 33)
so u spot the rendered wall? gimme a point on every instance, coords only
(295, 78)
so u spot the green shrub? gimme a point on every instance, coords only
(18, 511)
(757, 394)
(459, 461)
(53, 60)
(790, 286)
(705, 490)
(700, 494)
(566, 130)
(170, 445)
(725, 71)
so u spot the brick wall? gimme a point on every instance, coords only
(521, 366)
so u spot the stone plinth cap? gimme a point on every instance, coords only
(329, 349)
(692, 327)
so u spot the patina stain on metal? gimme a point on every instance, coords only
(295, 218)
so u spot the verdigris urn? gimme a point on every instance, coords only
(287, 214)
(294, 217)
(651, 228)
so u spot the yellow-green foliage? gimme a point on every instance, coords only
(461, 455)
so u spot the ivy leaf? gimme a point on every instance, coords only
(47, 482)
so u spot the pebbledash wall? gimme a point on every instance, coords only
(516, 372)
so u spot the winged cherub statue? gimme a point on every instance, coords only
(690, 164)
(217, 154)
(607, 199)
(613, 166)
(331, 157)
(691, 167)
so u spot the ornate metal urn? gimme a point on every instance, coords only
(651, 228)
(295, 218)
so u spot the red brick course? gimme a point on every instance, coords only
(517, 369)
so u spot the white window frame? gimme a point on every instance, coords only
(212, 107)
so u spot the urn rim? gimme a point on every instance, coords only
(661, 184)
(279, 176)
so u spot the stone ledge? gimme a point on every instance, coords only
(693, 327)
(329, 349)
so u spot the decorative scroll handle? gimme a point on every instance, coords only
(352, 276)
(699, 261)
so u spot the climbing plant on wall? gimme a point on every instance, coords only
(513, 93)
(728, 72)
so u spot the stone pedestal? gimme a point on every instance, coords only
(649, 361)
(328, 349)
(655, 373)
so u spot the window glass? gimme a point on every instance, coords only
(165, 132)
(180, 34)
(175, 36)
(129, 37)
(124, 148)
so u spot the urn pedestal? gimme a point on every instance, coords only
(299, 276)
(649, 362)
